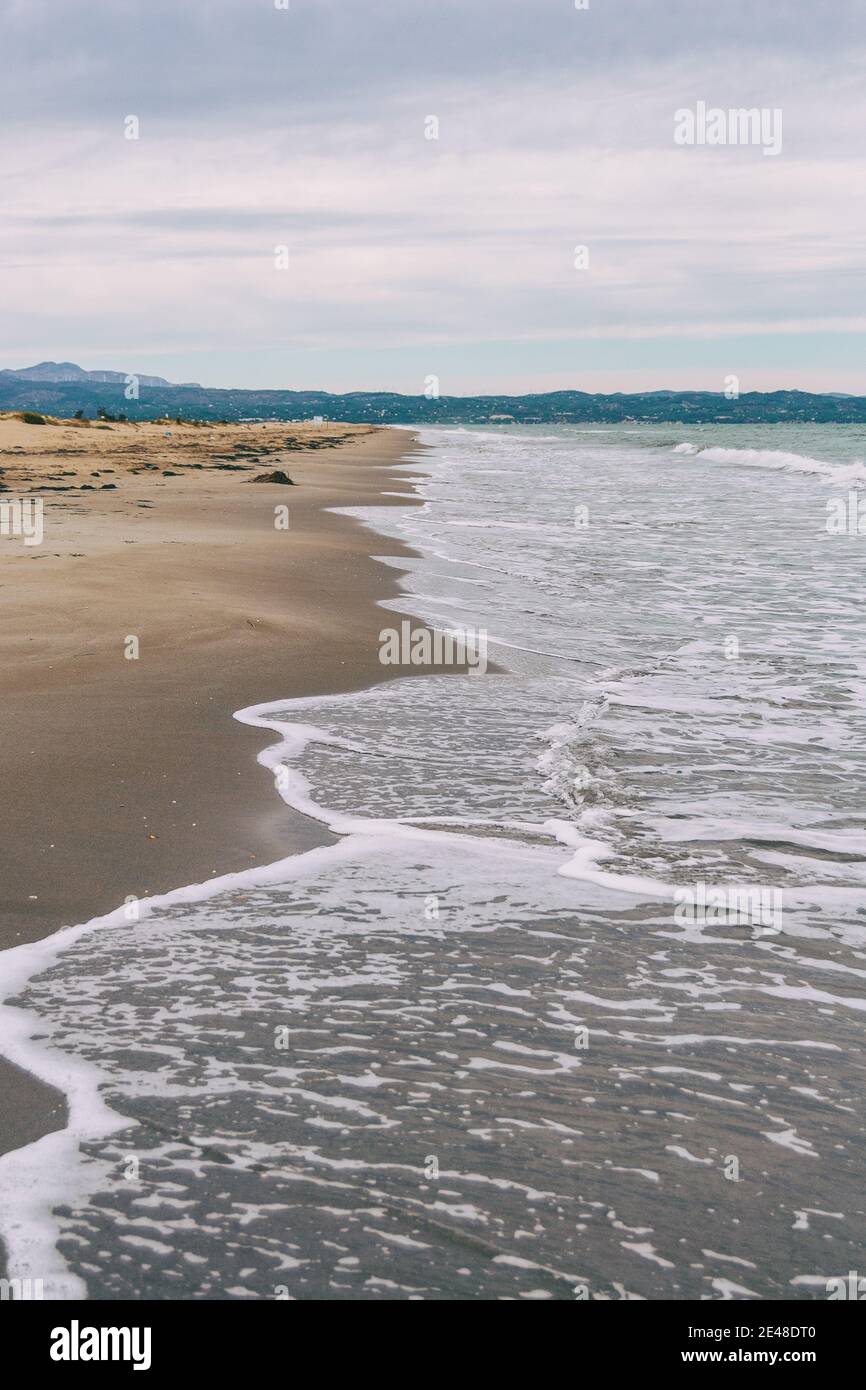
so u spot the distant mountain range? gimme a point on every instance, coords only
(68, 371)
(62, 389)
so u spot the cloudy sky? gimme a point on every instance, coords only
(262, 127)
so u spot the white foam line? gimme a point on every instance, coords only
(854, 472)
(587, 852)
(51, 1171)
(294, 788)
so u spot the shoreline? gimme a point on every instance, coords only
(160, 784)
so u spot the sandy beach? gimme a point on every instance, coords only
(130, 776)
(566, 999)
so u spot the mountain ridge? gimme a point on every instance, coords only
(63, 389)
(57, 372)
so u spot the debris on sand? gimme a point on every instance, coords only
(278, 476)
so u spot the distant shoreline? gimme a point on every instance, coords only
(731, 404)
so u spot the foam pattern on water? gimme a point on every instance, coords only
(511, 1069)
(454, 1039)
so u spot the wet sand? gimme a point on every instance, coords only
(131, 776)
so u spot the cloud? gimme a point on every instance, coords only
(307, 128)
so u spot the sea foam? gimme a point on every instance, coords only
(848, 474)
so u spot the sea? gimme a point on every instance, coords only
(573, 1006)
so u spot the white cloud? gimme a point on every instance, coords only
(167, 242)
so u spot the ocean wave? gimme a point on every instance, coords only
(847, 473)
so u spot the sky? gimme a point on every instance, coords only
(308, 128)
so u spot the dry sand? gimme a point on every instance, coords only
(129, 776)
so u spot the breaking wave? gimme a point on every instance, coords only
(852, 474)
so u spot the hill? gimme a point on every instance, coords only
(56, 372)
(61, 389)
